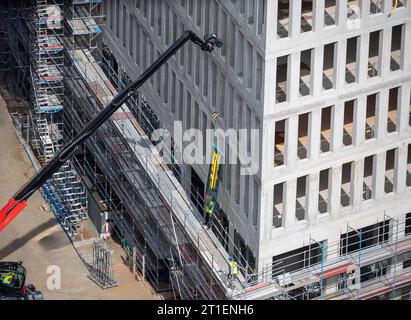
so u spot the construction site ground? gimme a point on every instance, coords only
(37, 238)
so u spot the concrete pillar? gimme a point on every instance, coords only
(290, 198)
(381, 111)
(335, 190)
(318, 15)
(406, 49)
(295, 18)
(363, 58)
(357, 183)
(401, 224)
(365, 11)
(266, 213)
(317, 72)
(379, 175)
(400, 172)
(337, 126)
(264, 263)
(340, 54)
(404, 107)
(291, 144)
(312, 197)
(341, 7)
(271, 24)
(267, 150)
(314, 134)
(293, 81)
(359, 120)
(385, 51)
(269, 96)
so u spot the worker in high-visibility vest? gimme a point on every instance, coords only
(232, 272)
(8, 280)
(209, 210)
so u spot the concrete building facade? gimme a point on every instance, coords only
(326, 83)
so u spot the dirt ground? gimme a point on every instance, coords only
(37, 238)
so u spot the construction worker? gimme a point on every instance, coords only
(9, 278)
(106, 230)
(232, 271)
(209, 210)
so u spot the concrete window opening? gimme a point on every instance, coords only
(370, 236)
(173, 101)
(375, 6)
(237, 182)
(306, 15)
(348, 122)
(368, 186)
(110, 8)
(390, 160)
(392, 110)
(374, 49)
(409, 166)
(197, 66)
(130, 35)
(224, 31)
(370, 116)
(407, 230)
(326, 114)
(255, 203)
(124, 27)
(279, 141)
(258, 76)
(250, 12)
(246, 199)
(283, 16)
(305, 72)
(281, 83)
(401, 3)
(250, 65)
(297, 259)
(324, 193)
(353, 9)
(346, 184)
(301, 198)
(351, 63)
(328, 66)
(302, 141)
(396, 47)
(239, 66)
(260, 16)
(189, 66)
(330, 9)
(152, 14)
(278, 205)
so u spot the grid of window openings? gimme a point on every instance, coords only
(348, 126)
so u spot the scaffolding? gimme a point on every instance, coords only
(368, 263)
(34, 38)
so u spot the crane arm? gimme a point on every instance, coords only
(19, 201)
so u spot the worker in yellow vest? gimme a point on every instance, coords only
(232, 272)
(209, 210)
(8, 280)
